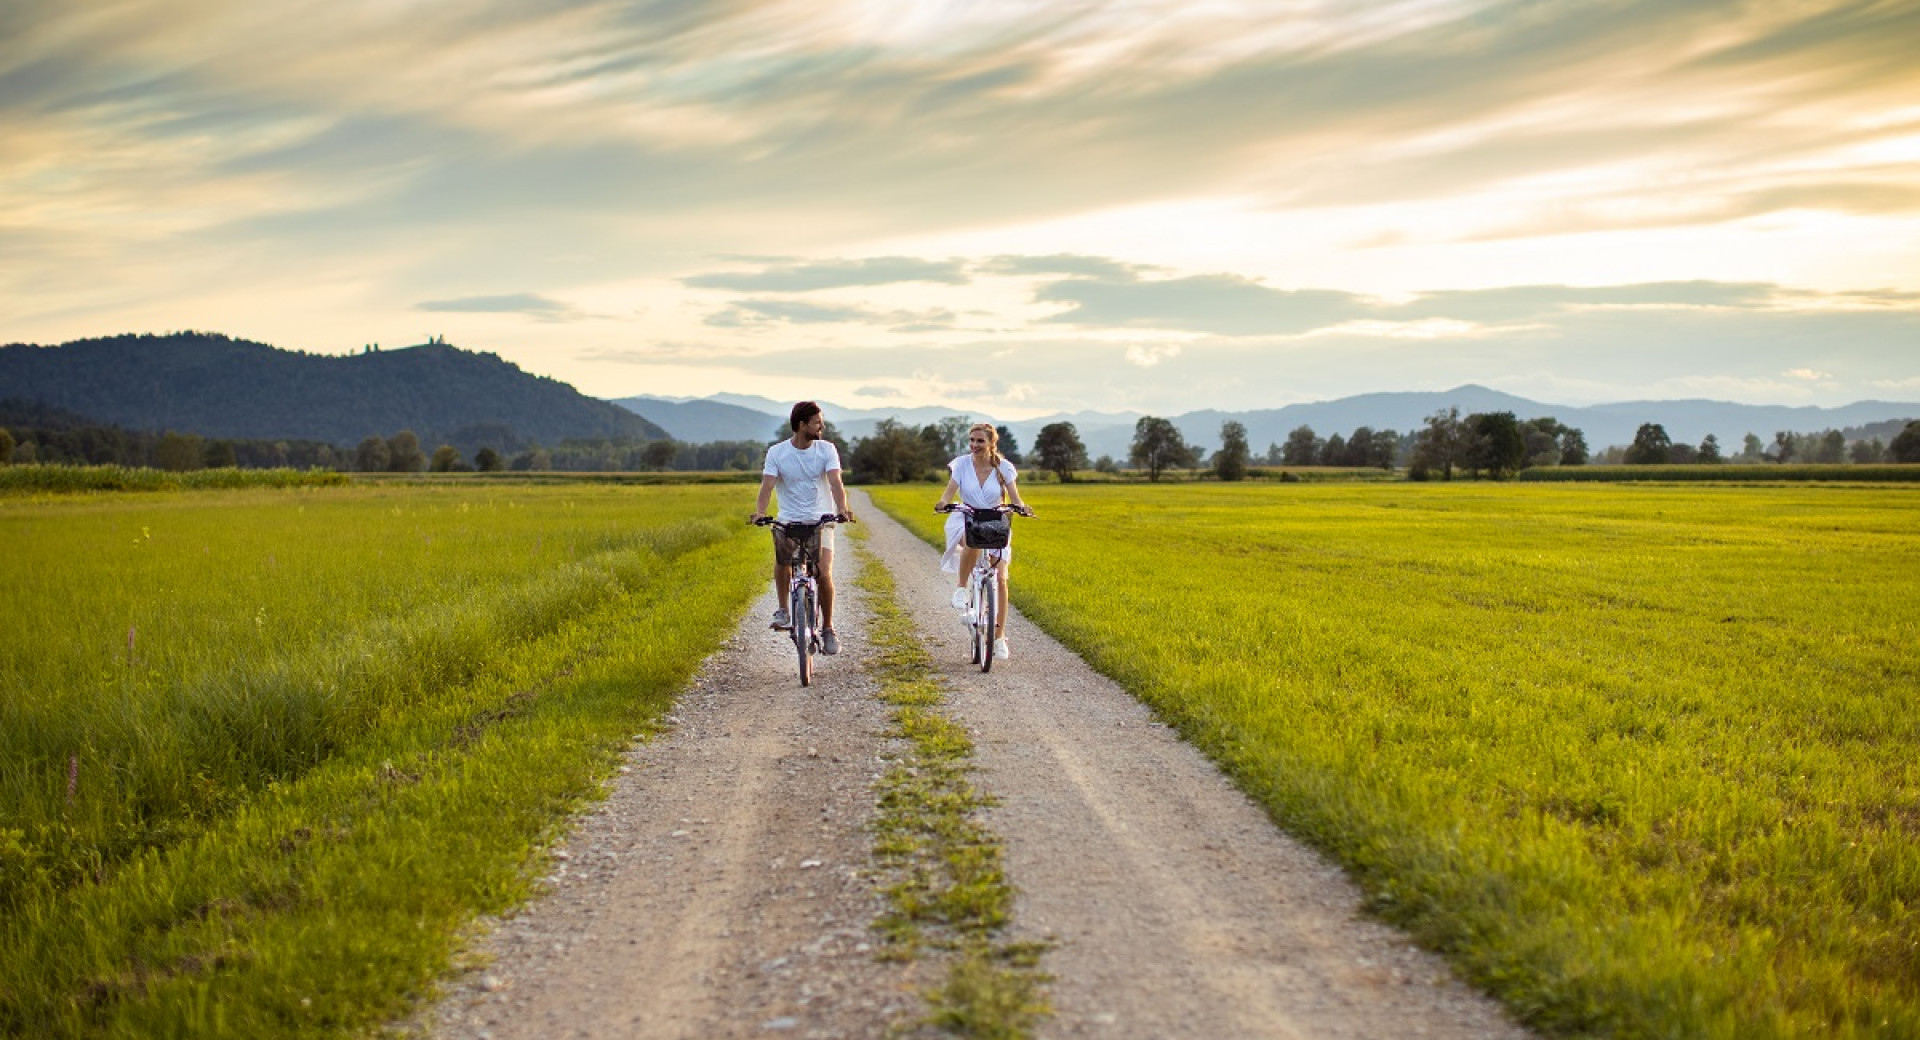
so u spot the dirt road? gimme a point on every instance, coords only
(725, 889)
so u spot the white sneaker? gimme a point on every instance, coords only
(780, 618)
(1000, 652)
(960, 598)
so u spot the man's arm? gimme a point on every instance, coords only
(767, 480)
(839, 489)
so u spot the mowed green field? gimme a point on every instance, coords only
(263, 753)
(1641, 760)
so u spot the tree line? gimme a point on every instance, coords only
(1491, 445)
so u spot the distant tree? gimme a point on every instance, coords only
(404, 454)
(1230, 462)
(1867, 452)
(1573, 447)
(1302, 447)
(1542, 438)
(1274, 454)
(1057, 449)
(891, 454)
(1105, 464)
(1439, 445)
(486, 460)
(946, 439)
(6, 447)
(220, 455)
(1831, 448)
(179, 452)
(1010, 446)
(1906, 447)
(1785, 444)
(659, 455)
(26, 453)
(1709, 452)
(1682, 454)
(1333, 451)
(533, 460)
(1499, 446)
(371, 456)
(1651, 446)
(445, 458)
(1158, 447)
(1752, 449)
(1383, 449)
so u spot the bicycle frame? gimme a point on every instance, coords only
(983, 591)
(803, 589)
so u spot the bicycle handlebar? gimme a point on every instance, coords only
(825, 518)
(962, 507)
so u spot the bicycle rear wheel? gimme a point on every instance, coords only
(973, 624)
(989, 611)
(802, 611)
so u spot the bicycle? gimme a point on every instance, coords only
(983, 586)
(803, 590)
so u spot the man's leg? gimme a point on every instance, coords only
(825, 578)
(782, 576)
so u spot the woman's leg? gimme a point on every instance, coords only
(1000, 616)
(968, 557)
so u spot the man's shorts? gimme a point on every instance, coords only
(781, 546)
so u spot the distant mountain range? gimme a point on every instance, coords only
(744, 417)
(211, 385)
(215, 386)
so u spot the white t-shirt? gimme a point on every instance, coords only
(802, 488)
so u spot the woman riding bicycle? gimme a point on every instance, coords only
(981, 480)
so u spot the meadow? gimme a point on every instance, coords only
(1638, 759)
(265, 752)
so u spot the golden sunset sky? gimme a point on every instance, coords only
(1015, 207)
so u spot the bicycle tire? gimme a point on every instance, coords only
(973, 624)
(802, 610)
(989, 609)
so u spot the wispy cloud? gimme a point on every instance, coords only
(528, 304)
(834, 274)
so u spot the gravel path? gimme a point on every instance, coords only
(725, 888)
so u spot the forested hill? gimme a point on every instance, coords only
(209, 384)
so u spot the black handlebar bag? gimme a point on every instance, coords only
(990, 530)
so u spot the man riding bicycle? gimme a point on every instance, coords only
(799, 467)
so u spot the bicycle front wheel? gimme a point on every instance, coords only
(801, 608)
(989, 617)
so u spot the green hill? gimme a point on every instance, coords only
(210, 384)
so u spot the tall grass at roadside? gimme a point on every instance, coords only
(1640, 760)
(343, 723)
(1742, 474)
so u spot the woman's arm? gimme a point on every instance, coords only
(953, 488)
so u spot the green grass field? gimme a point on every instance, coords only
(264, 752)
(1640, 760)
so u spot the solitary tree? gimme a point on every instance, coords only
(1230, 462)
(445, 458)
(486, 460)
(1651, 446)
(1752, 449)
(1906, 447)
(1059, 451)
(1158, 446)
(1709, 450)
(1573, 447)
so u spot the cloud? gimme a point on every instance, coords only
(528, 304)
(1810, 375)
(834, 274)
(876, 390)
(749, 313)
(1063, 264)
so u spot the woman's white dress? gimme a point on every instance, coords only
(978, 494)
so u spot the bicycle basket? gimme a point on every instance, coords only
(989, 531)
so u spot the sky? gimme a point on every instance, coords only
(1020, 208)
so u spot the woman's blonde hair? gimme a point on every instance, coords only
(993, 441)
